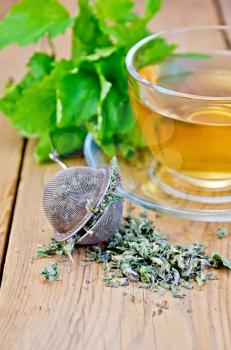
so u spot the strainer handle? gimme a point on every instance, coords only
(55, 157)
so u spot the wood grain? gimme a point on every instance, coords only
(225, 11)
(11, 144)
(75, 314)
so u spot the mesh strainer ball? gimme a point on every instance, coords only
(65, 201)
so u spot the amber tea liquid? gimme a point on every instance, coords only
(194, 141)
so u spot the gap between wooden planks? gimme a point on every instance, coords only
(11, 144)
(75, 314)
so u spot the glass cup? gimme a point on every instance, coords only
(180, 91)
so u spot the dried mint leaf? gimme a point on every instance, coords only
(139, 253)
(52, 273)
(142, 254)
(221, 232)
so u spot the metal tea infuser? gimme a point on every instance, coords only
(67, 197)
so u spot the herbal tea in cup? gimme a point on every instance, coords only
(182, 104)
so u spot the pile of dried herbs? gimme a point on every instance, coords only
(139, 253)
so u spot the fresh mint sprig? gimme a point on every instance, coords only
(60, 101)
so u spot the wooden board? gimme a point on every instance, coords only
(225, 11)
(11, 145)
(13, 61)
(75, 314)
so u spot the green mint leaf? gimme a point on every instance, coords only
(114, 70)
(191, 55)
(43, 148)
(87, 34)
(29, 20)
(40, 64)
(65, 140)
(118, 22)
(117, 114)
(131, 141)
(78, 95)
(151, 7)
(156, 51)
(100, 53)
(36, 109)
(115, 124)
(8, 102)
(115, 10)
(33, 111)
(126, 34)
(105, 85)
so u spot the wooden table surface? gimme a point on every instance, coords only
(75, 314)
